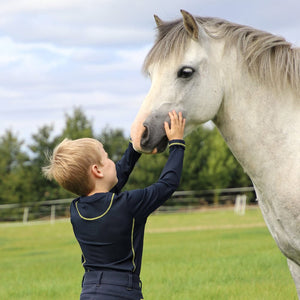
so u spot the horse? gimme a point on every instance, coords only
(247, 82)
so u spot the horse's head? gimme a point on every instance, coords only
(184, 72)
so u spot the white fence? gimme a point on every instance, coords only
(180, 201)
(51, 209)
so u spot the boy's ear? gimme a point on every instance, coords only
(95, 169)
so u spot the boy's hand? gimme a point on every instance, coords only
(175, 132)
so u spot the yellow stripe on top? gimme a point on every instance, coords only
(98, 217)
(132, 247)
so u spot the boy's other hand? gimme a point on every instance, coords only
(176, 130)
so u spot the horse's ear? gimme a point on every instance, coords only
(158, 21)
(190, 24)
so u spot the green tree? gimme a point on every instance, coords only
(209, 164)
(147, 170)
(77, 125)
(114, 142)
(42, 146)
(13, 169)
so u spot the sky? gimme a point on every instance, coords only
(56, 55)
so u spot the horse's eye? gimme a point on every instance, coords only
(185, 72)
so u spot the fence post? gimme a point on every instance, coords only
(240, 204)
(52, 217)
(25, 214)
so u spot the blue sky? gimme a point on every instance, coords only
(59, 54)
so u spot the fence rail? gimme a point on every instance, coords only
(180, 201)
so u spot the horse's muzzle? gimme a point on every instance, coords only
(153, 139)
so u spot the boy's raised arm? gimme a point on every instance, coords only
(125, 166)
(145, 201)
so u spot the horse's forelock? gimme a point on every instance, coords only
(171, 39)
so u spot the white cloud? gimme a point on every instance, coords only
(58, 54)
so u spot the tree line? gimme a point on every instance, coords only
(208, 163)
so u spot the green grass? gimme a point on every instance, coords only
(213, 254)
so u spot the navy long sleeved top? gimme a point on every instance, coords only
(109, 227)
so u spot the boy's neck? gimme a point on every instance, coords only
(102, 184)
(96, 191)
(100, 187)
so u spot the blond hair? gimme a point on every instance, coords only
(70, 164)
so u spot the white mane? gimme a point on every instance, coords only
(271, 58)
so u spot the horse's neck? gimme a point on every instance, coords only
(261, 128)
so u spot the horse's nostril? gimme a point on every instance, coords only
(145, 137)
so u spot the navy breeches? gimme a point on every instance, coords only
(110, 285)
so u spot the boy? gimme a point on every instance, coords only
(109, 225)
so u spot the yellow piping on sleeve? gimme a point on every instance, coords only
(132, 247)
(177, 144)
(83, 259)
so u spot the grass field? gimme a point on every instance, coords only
(211, 254)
